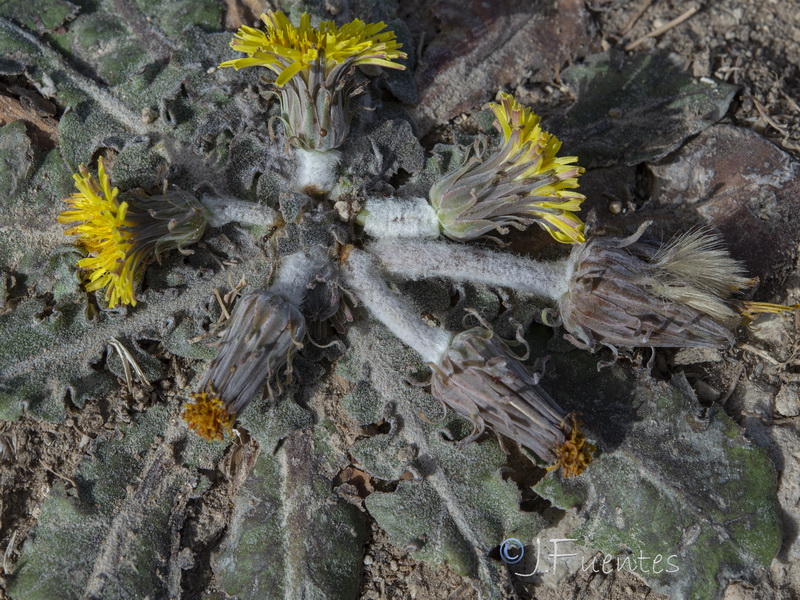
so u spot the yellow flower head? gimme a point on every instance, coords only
(208, 417)
(262, 336)
(314, 68)
(575, 453)
(288, 50)
(534, 153)
(522, 182)
(122, 236)
(105, 233)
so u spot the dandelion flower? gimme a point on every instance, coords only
(481, 380)
(521, 183)
(314, 68)
(262, 336)
(629, 293)
(121, 236)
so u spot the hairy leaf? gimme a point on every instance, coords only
(452, 504)
(288, 536)
(638, 108)
(681, 483)
(114, 534)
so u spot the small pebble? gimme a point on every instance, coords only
(367, 560)
(149, 115)
(615, 207)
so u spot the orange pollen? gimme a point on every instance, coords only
(575, 454)
(208, 417)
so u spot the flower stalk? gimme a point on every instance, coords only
(362, 277)
(476, 374)
(224, 210)
(416, 259)
(399, 218)
(617, 293)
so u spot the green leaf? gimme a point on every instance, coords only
(288, 535)
(40, 15)
(113, 535)
(681, 483)
(55, 348)
(456, 507)
(636, 108)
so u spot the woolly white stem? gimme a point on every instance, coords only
(228, 210)
(316, 171)
(361, 274)
(414, 259)
(393, 218)
(296, 272)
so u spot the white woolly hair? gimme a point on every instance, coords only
(406, 218)
(316, 171)
(362, 277)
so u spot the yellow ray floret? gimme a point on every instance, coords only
(565, 227)
(288, 50)
(208, 417)
(533, 147)
(750, 310)
(105, 233)
(532, 154)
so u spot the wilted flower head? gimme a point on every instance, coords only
(122, 236)
(314, 70)
(521, 183)
(262, 336)
(627, 293)
(482, 381)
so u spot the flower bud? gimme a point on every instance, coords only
(627, 293)
(482, 381)
(261, 338)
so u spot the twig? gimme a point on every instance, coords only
(663, 29)
(127, 362)
(761, 353)
(637, 15)
(222, 304)
(60, 476)
(762, 111)
(733, 384)
(791, 101)
(235, 290)
(9, 551)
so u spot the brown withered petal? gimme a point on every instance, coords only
(481, 380)
(628, 293)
